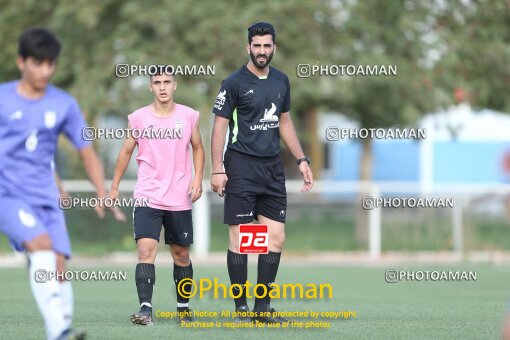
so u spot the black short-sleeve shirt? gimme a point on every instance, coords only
(254, 106)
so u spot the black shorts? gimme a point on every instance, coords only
(255, 186)
(178, 225)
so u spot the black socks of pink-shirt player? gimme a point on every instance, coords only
(181, 273)
(145, 276)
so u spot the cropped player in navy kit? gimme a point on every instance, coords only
(254, 103)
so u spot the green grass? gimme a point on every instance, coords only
(488, 233)
(404, 310)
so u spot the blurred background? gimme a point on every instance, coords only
(453, 79)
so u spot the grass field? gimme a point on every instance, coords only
(403, 310)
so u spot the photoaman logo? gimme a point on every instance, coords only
(253, 239)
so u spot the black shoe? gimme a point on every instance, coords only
(72, 334)
(269, 316)
(143, 317)
(184, 315)
(242, 314)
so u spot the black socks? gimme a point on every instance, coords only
(145, 276)
(238, 271)
(267, 270)
(181, 273)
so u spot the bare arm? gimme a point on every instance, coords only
(94, 170)
(198, 163)
(218, 181)
(289, 137)
(218, 142)
(60, 186)
(122, 163)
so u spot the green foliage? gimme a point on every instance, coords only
(477, 55)
(438, 47)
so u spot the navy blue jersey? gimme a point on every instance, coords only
(254, 106)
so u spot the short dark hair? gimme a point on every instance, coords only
(261, 28)
(38, 43)
(161, 71)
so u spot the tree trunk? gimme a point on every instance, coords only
(365, 175)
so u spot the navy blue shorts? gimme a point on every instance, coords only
(147, 223)
(255, 186)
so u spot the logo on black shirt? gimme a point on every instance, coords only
(269, 121)
(220, 100)
(269, 115)
(248, 92)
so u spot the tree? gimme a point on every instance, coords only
(375, 33)
(475, 56)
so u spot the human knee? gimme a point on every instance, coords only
(277, 240)
(41, 242)
(180, 255)
(146, 253)
(233, 243)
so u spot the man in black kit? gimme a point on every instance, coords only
(254, 102)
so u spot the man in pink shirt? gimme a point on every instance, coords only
(163, 132)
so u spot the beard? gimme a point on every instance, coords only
(261, 65)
